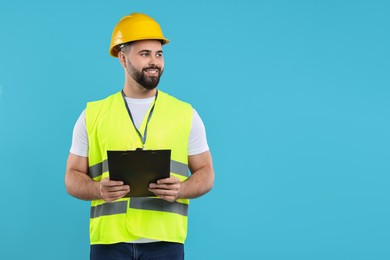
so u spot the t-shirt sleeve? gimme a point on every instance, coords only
(197, 142)
(80, 138)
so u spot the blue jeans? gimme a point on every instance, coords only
(138, 251)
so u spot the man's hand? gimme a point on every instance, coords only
(112, 190)
(168, 189)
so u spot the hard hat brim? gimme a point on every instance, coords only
(114, 50)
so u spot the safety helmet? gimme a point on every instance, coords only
(135, 27)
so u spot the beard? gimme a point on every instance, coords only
(148, 82)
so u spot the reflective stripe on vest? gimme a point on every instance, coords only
(156, 204)
(106, 209)
(98, 169)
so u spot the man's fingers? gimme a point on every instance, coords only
(117, 188)
(167, 197)
(167, 189)
(161, 192)
(107, 182)
(117, 194)
(113, 195)
(113, 190)
(164, 186)
(170, 180)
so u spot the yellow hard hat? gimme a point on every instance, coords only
(135, 27)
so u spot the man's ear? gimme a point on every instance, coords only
(122, 58)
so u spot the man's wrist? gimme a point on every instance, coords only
(97, 189)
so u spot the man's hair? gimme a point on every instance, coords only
(125, 47)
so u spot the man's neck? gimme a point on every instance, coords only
(137, 91)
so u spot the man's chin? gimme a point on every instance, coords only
(150, 86)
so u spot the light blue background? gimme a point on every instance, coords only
(294, 95)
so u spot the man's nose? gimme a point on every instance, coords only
(153, 61)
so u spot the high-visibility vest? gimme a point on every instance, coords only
(109, 127)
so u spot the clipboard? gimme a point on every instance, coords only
(139, 168)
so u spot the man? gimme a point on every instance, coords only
(140, 116)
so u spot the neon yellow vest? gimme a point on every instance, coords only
(109, 128)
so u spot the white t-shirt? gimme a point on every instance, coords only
(197, 142)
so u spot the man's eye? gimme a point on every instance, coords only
(159, 55)
(145, 54)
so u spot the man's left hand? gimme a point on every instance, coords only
(167, 189)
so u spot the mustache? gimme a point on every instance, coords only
(155, 67)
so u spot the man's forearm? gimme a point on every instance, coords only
(81, 186)
(198, 184)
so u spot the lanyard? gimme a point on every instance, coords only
(143, 138)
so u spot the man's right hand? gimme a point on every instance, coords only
(112, 190)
